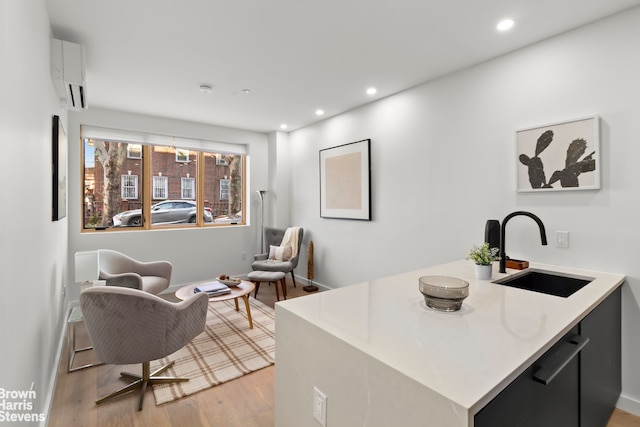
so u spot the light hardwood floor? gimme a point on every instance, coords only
(244, 402)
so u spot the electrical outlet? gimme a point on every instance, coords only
(319, 407)
(562, 239)
(243, 256)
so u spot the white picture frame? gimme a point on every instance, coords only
(345, 181)
(562, 156)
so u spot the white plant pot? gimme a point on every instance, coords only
(483, 272)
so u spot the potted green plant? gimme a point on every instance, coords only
(483, 257)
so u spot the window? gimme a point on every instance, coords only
(129, 186)
(225, 200)
(225, 185)
(160, 187)
(188, 188)
(220, 160)
(134, 151)
(120, 165)
(182, 156)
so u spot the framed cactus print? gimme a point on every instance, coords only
(559, 156)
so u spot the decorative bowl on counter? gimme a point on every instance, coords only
(443, 293)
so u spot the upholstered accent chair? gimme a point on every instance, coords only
(272, 260)
(129, 326)
(119, 269)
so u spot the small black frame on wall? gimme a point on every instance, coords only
(58, 170)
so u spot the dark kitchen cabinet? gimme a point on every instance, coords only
(600, 362)
(575, 383)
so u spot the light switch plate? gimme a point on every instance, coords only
(320, 407)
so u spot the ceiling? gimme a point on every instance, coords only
(295, 56)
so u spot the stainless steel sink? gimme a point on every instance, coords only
(546, 282)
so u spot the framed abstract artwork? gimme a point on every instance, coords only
(345, 181)
(559, 157)
(58, 170)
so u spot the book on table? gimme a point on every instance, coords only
(213, 289)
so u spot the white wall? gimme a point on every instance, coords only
(443, 162)
(196, 254)
(33, 247)
(277, 200)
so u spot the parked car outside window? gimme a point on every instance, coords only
(166, 212)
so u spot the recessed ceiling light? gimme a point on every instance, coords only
(505, 24)
(319, 112)
(283, 126)
(206, 88)
(246, 91)
(371, 91)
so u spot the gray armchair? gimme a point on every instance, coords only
(131, 326)
(121, 270)
(273, 237)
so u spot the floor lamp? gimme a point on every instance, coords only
(262, 193)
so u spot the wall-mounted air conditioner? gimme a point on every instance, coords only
(68, 75)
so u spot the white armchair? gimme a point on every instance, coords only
(121, 270)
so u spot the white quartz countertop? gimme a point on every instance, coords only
(467, 356)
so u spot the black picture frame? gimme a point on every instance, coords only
(345, 181)
(58, 170)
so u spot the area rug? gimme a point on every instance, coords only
(227, 349)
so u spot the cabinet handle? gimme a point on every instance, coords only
(556, 362)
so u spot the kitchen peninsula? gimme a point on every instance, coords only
(383, 358)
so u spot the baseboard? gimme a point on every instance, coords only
(54, 374)
(628, 404)
(304, 282)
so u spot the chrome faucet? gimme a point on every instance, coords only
(503, 229)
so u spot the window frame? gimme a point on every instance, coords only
(130, 156)
(182, 155)
(191, 187)
(221, 161)
(144, 191)
(159, 184)
(226, 190)
(123, 187)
